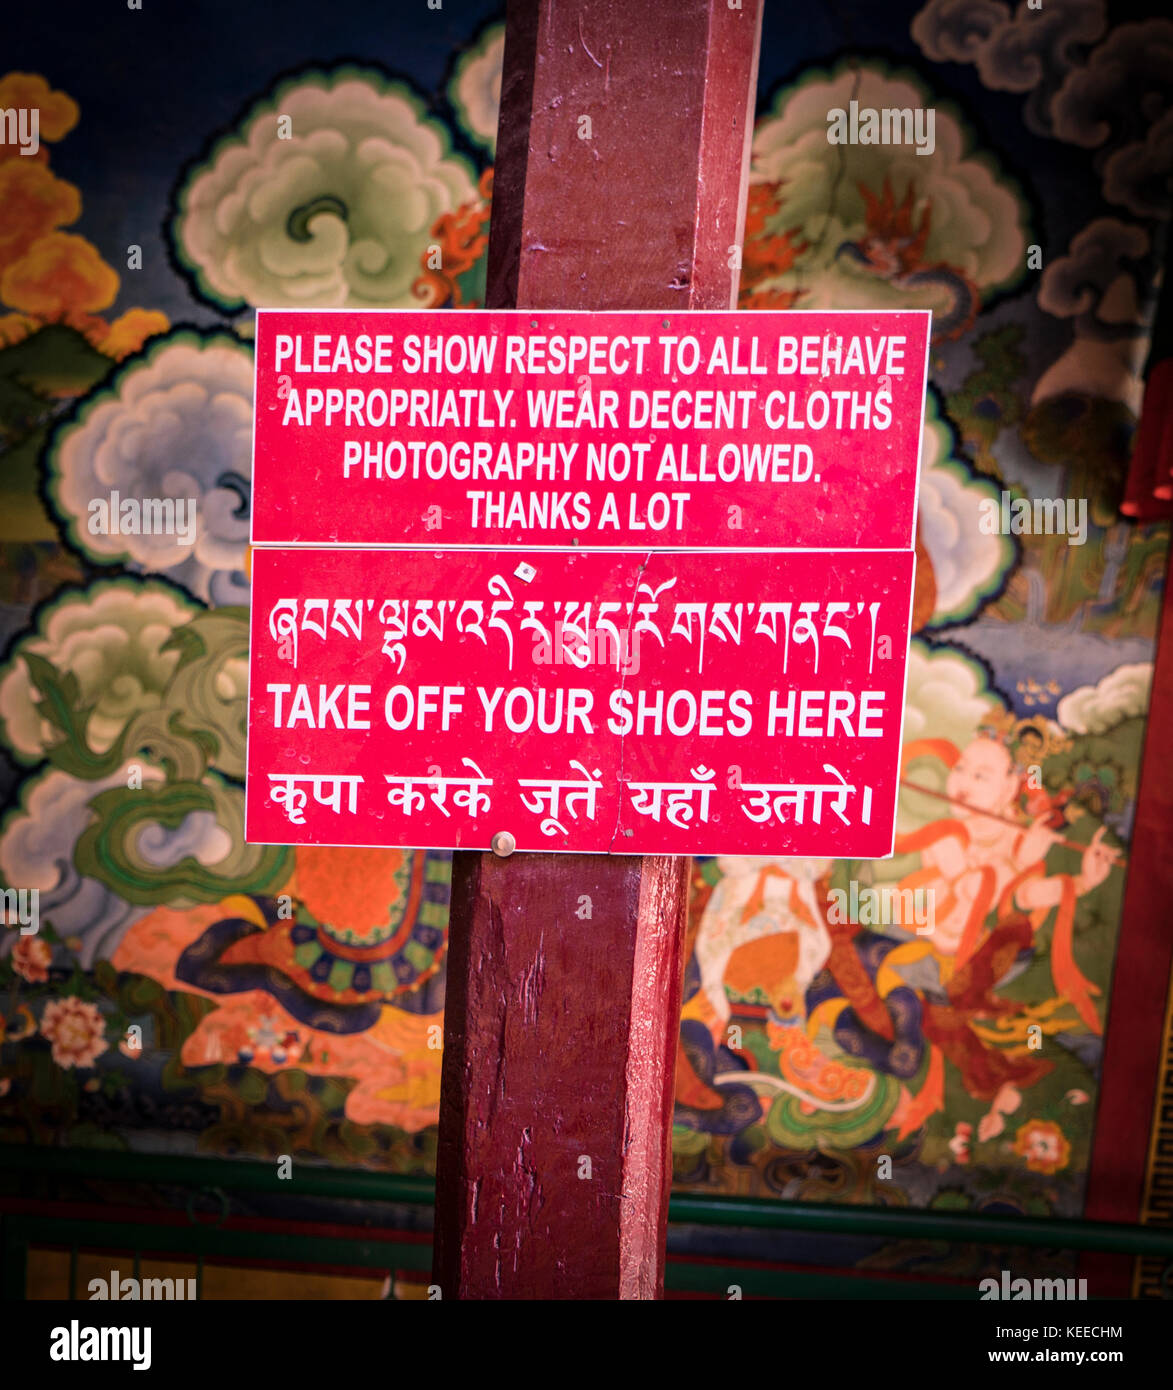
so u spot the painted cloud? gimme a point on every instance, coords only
(175, 423)
(1094, 709)
(475, 89)
(881, 226)
(325, 195)
(36, 850)
(111, 639)
(1114, 97)
(968, 564)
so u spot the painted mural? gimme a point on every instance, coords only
(188, 992)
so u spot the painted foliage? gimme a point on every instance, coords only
(926, 1029)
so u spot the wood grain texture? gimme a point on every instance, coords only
(560, 1029)
(552, 1179)
(642, 214)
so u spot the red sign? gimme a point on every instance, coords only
(640, 430)
(591, 701)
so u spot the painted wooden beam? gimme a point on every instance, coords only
(620, 182)
(623, 154)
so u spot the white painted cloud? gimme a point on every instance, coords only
(325, 196)
(1094, 709)
(174, 424)
(111, 639)
(36, 851)
(968, 565)
(976, 218)
(475, 89)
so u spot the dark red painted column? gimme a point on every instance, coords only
(1134, 1037)
(620, 183)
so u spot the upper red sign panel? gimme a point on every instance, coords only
(638, 430)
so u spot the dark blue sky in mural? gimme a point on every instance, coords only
(156, 85)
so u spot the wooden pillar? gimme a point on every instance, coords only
(1137, 1010)
(620, 183)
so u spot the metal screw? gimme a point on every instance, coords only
(503, 844)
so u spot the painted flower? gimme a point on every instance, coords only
(76, 1030)
(1043, 1145)
(31, 958)
(1077, 1097)
(959, 1144)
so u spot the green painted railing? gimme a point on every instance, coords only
(221, 1177)
(243, 1175)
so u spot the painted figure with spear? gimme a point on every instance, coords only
(984, 863)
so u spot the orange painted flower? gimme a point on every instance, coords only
(59, 276)
(15, 328)
(1043, 1145)
(31, 958)
(130, 331)
(35, 201)
(57, 112)
(76, 1030)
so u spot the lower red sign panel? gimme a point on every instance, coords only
(605, 702)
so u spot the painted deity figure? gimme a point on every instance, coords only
(985, 869)
(981, 855)
(758, 898)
